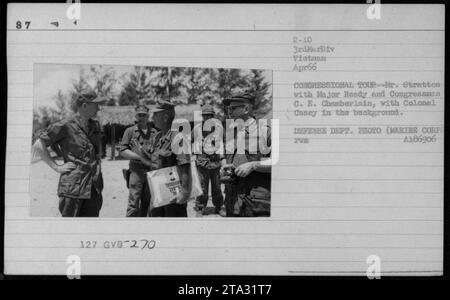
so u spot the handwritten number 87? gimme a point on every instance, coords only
(19, 24)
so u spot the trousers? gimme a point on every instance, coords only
(139, 194)
(75, 207)
(207, 176)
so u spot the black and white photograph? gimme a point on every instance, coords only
(224, 139)
(103, 140)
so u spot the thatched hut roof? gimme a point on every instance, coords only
(125, 114)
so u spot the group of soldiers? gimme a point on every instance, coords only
(148, 146)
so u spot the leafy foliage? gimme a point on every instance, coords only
(177, 84)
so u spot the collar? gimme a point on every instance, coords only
(77, 120)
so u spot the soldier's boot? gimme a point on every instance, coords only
(219, 210)
(205, 210)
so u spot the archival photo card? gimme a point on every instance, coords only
(225, 139)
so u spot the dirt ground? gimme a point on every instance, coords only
(44, 183)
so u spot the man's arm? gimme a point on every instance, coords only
(258, 166)
(131, 149)
(41, 150)
(128, 154)
(266, 167)
(254, 166)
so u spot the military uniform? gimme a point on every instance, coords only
(139, 192)
(162, 156)
(208, 166)
(208, 169)
(249, 196)
(80, 190)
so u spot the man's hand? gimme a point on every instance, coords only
(136, 148)
(245, 169)
(65, 168)
(146, 154)
(226, 170)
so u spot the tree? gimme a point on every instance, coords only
(174, 78)
(200, 86)
(261, 88)
(78, 86)
(62, 105)
(45, 115)
(138, 86)
(103, 82)
(230, 81)
(42, 118)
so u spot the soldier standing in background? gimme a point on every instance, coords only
(135, 140)
(208, 166)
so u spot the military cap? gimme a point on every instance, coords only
(244, 97)
(141, 109)
(89, 97)
(161, 105)
(207, 110)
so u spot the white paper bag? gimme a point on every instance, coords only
(165, 184)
